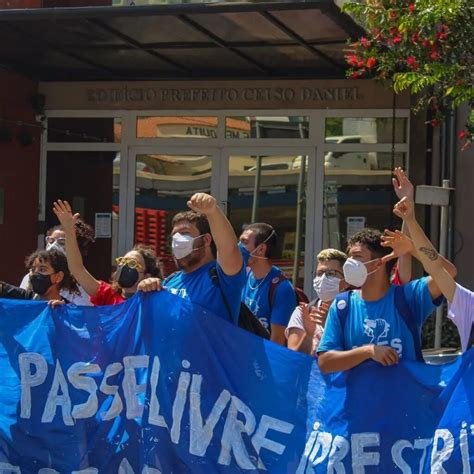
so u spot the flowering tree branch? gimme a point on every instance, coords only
(424, 46)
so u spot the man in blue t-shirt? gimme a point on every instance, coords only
(269, 295)
(212, 272)
(373, 328)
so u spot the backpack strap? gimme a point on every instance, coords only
(404, 310)
(275, 281)
(342, 307)
(215, 279)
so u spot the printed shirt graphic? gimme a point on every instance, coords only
(378, 322)
(256, 296)
(199, 288)
(461, 312)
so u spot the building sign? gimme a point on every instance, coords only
(217, 95)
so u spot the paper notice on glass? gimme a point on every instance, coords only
(103, 225)
(354, 224)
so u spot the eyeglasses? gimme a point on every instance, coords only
(50, 240)
(328, 273)
(130, 262)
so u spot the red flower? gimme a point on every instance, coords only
(397, 39)
(360, 64)
(393, 30)
(435, 123)
(415, 37)
(354, 75)
(462, 135)
(392, 14)
(441, 36)
(434, 55)
(411, 61)
(411, 7)
(371, 62)
(364, 42)
(425, 44)
(352, 60)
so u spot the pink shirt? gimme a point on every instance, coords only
(461, 312)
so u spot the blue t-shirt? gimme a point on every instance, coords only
(378, 322)
(198, 287)
(256, 296)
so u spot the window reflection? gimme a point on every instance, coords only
(267, 127)
(177, 127)
(341, 130)
(355, 197)
(271, 189)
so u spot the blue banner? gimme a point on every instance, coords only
(159, 385)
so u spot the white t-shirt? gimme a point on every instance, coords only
(296, 322)
(461, 312)
(82, 299)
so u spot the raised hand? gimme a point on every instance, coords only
(402, 186)
(405, 209)
(320, 314)
(202, 203)
(309, 323)
(149, 284)
(399, 242)
(63, 212)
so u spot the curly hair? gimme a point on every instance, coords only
(85, 235)
(372, 239)
(59, 263)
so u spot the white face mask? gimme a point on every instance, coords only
(55, 246)
(182, 245)
(326, 288)
(355, 271)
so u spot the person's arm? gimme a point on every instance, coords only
(277, 334)
(14, 292)
(300, 341)
(403, 187)
(405, 261)
(228, 253)
(442, 271)
(63, 212)
(336, 361)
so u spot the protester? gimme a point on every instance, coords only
(306, 325)
(49, 279)
(267, 292)
(460, 299)
(197, 237)
(381, 321)
(133, 267)
(56, 239)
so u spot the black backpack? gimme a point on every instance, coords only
(247, 320)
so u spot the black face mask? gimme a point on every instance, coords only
(40, 283)
(126, 277)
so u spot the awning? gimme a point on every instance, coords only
(286, 39)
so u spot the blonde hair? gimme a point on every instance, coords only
(331, 254)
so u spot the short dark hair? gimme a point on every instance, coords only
(200, 221)
(152, 262)
(59, 263)
(264, 233)
(372, 239)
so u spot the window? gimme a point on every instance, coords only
(177, 127)
(266, 127)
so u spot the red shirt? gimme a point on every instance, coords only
(106, 295)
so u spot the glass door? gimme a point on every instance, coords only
(161, 180)
(276, 186)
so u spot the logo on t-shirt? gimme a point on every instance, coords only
(377, 330)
